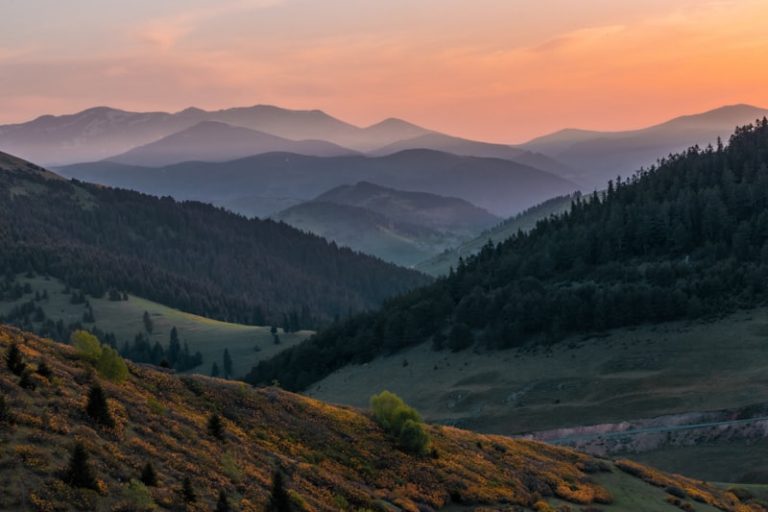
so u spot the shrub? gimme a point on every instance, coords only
(401, 421)
(413, 438)
(111, 366)
(138, 496)
(6, 416)
(391, 412)
(79, 472)
(87, 345)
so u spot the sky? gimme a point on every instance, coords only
(497, 70)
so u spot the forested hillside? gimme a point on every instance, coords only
(688, 238)
(191, 256)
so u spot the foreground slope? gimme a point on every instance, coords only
(685, 240)
(191, 256)
(333, 458)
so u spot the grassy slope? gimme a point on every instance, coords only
(124, 318)
(629, 374)
(336, 458)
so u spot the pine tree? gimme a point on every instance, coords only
(148, 324)
(227, 360)
(44, 370)
(26, 381)
(79, 472)
(97, 407)
(6, 416)
(279, 501)
(14, 359)
(223, 504)
(215, 369)
(216, 427)
(148, 475)
(187, 492)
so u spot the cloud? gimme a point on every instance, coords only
(165, 32)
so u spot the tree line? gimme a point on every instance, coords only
(685, 239)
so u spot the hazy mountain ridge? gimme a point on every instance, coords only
(500, 186)
(214, 141)
(398, 226)
(601, 156)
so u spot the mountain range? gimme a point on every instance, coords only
(264, 184)
(602, 156)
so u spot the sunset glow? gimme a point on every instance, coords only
(500, 70)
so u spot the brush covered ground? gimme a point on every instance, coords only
(124, 319)
(334, 458)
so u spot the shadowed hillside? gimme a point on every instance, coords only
(331, 458)
(190, 256)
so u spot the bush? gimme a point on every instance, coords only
(111, 366)
(148, 475)
(391, 412)
(413, 438)
(138, 496)
(87, 345)
(401, 421)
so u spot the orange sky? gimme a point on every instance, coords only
(500, 70)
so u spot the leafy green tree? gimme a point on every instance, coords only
(14, 359)
(227, 360)
(79, 472)
(87, 345)
(111, 366)
(97, 407)
(148, 475)
(216, 427)
(279, 500)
